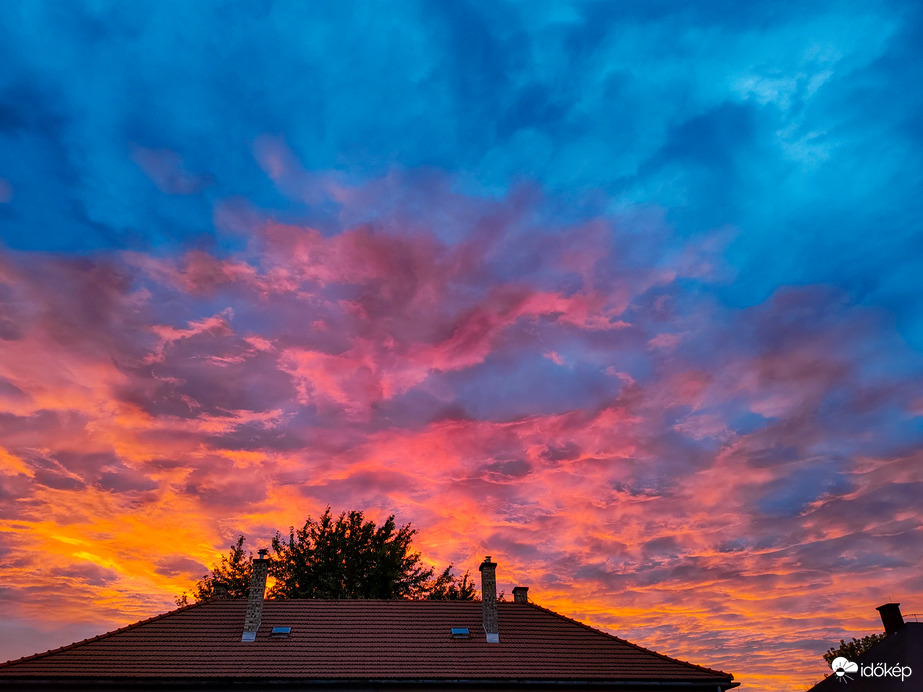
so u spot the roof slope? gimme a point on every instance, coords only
(902, 648)
(353, 639)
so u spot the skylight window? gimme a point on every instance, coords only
(280, 632)
(459, 633)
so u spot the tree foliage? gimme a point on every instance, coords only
(852, 650)
(342, 557)
(347, 557)
(448, 587)
(233, 573)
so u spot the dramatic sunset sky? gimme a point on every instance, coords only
(624, 294)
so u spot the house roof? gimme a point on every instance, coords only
(903, 648)
(360, 639)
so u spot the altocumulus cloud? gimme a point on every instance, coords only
(674, 455)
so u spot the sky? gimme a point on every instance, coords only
(625, 295)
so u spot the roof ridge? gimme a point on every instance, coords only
(433, 601)
(632, 644)
(82, 642)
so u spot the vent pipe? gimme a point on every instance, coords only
(488, 571)
(255, 599)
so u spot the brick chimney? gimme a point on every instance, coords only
(488, 571)
(255, 599)
(520, 594)
(891, 617)
(219, 591)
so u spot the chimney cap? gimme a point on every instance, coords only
(263, 552)
(487, 563)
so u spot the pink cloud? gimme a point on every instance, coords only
(554, 357)
(216, 325)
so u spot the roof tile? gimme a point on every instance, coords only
(351, 639)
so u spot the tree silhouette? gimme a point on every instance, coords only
(448, 587)
(345, 557)
(851, 650)
(232, 574)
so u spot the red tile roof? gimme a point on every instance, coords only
(360, 639)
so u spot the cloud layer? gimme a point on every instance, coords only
(576, 403)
